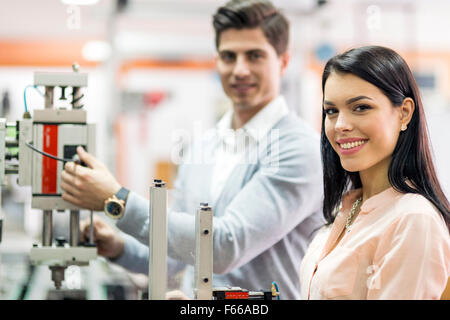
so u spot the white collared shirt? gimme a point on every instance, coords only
(235, 144)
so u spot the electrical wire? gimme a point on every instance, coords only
(48, 154)
(276, 288)
(25, 94)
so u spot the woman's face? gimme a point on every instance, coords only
(361, 123)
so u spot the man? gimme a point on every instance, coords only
(266, 196)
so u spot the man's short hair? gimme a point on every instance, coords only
(250, 14)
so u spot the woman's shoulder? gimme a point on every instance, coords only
(415, 203)
(414, 206)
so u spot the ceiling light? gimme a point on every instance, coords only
(97, 51)
(80, 2)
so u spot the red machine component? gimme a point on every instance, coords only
(50, 166)
(236, 295)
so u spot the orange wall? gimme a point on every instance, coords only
(60, 53)
(50, 53)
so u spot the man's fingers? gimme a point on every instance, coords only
(71, 189)
(176, 295)
(70, 198)
(67, 177)
(85, 226)
(99, 231)
(87, 158)
(76, 170)
(70, 167)
(85, 233)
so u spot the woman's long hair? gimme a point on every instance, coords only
(411, 159)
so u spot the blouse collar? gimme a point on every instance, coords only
(382, 198)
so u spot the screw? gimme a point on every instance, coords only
(75, 67)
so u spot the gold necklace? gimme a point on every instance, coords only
(352, 213)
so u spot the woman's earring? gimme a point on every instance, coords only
(404, 127)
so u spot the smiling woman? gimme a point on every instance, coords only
(366, 122)
(391, 115)
(387, 235)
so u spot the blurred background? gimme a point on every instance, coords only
(152, 79)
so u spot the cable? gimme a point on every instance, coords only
(276, 288)
(48, 154)
(25, 94)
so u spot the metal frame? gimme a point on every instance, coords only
(157, 275)
(203, 252)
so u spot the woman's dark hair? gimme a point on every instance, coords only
(411, 159)
(249, 14)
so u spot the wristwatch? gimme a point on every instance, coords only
(115, 205)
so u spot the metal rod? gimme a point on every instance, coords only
(157, 282)
(11, 142)
(91, 229)
(49, 97)
(203, 252)
(58, 275)
(74, 228)
(47, 228)
(77, 98)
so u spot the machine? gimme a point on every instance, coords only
(36, 148)
(203, 254)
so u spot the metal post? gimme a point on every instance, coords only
(49, 97)
(47, 228)
(57, 275)
(74, 228)
(1, 217)
(77, 94)
(91, 229)
(157, 282)
(203, 252)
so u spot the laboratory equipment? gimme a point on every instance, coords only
(37, 150)
(203, 280)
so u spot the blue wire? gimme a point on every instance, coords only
(25, 95)
(278, 290)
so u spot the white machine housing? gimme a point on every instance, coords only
(56, 132)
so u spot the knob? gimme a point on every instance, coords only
(60, 241)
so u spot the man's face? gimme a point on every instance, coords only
(249, 68)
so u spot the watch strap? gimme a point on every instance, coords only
(122, 194)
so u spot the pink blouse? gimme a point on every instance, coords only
(398, 247)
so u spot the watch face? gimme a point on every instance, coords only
(114, 208)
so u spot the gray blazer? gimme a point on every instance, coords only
(264, 218)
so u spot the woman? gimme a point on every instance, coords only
(387, 233)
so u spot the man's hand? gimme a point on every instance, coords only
(88, 187)
(176, 295)
(109, 243)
